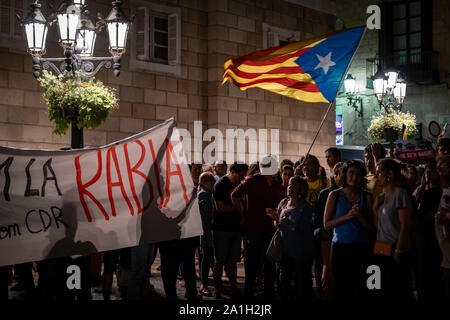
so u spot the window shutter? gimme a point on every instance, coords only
(5, 17)
(272, 39)
(141, 31)
(173, 35)
(18, 10)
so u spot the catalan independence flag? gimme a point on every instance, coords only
(309, 70)
(404, 133)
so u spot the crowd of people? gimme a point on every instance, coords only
(334, 224)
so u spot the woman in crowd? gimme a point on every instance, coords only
(326, 236)
(427, 255)
(253, 168)
(206, 204)
(287, 172)
(310, 168)
(295, 223)
(372, 154)
(442, 224)
(393, 217)
(411, 176)
(348, 213)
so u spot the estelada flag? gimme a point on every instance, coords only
(404, 133)
(310, 70)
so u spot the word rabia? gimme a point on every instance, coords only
(128, 173)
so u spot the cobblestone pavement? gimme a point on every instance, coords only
(155, 280)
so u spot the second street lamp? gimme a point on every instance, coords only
(389, 89)
(353, 97)
(118, 26)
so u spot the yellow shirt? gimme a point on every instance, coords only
(372, 185)
(314, 188)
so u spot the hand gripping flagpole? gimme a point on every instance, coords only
(331, 103)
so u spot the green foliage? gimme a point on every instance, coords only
(394, 119)
(72, 98)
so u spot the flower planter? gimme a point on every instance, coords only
(388, 125)
(75, 100)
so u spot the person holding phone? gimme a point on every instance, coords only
(348, 214)
(294, 218)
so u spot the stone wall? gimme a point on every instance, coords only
(211, 32)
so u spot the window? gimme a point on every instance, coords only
(371, 70)
(274, 36)
(9, 25)
(11, 32)
(406, 40)
(156, 40)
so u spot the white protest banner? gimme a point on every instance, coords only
(56, 203)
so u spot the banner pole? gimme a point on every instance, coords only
(340, 84)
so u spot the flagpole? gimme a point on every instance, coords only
(320, 127)
(331, 103)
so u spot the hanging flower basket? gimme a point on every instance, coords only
(389, 124)
(72, 98)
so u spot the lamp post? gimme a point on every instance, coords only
(354, 100)
(77, 35)
(389, 89)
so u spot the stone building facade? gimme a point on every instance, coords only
(187, 85)
(427, 96)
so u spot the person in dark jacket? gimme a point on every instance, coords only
(261, 191)
(206, 205)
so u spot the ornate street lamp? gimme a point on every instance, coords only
(36, 28)
(400, 91)
(77, 34)
(118, 25)
(68, 16)
(79, 3)
(389, 89)
(354, 100)
(86, 35)
(350, 84)
(379, 85)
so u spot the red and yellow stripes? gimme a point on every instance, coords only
(274, 69)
